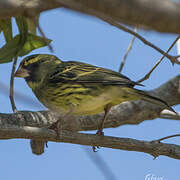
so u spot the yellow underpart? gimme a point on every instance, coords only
(33, 85)
(88, 103)
(68, 90)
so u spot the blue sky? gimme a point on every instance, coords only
(84, 38)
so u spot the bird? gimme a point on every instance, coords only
(77, 88)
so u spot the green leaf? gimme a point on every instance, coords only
(22, 26)
(6, 27)
(21, 44)
(23, 31)
(10, 49)
(13, 46)
(33, 42)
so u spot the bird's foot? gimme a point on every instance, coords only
(94, 148)
(101, 133)
(56, 128)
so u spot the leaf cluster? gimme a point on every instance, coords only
(23, 42)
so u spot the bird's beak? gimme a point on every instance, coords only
(21, 72)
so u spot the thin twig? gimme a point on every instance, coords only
(173, 59)
(167, 137)
(154, 67)
(23, 37)
(20, 96)
(44, 36)
(127, 52)
(11, 92)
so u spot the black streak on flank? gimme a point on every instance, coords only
(74, 93)
(125, 97)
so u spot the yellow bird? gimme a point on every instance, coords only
(79, 88)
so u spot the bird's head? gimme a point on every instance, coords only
(35, 67)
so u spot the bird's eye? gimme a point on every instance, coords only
(32, 66)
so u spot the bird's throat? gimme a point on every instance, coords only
(33, 84)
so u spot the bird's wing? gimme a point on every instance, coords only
(84, 73)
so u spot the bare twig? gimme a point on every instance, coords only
(20, 96)
(173, 59)
(154, 67)
(167, 137)
(44, 36)
(11, 93)
(127, 52)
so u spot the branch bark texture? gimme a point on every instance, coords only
(153, 148)
(33, 125)
(151, 14)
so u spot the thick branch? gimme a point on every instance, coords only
(152, 14)
(127, 113)
(153, 148)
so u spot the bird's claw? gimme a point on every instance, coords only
(94, 148)
(101, 133)
(55, 127)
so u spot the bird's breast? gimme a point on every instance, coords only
(83, 100)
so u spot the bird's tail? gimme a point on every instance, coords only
(152, 99)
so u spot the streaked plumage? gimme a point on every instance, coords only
(78, 87)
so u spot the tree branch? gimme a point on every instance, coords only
(17, 125)
(151, 14)
(153, 148)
